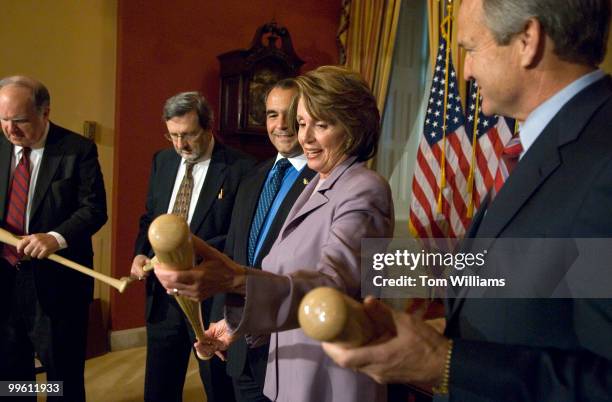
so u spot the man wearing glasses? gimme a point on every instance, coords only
(198, 180)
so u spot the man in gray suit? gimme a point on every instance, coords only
(536, 61)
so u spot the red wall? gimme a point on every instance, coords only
(168, 47)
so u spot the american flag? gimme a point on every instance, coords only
(439, 204)
(469, 173)
(492, 134)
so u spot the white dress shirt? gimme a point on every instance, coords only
(538, 119)
(36, 156)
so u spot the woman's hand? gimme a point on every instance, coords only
(216, 274)
(218, 340)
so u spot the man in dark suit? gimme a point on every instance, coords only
(52, 193)
(535, 61)
(215, 172)
(248, 245)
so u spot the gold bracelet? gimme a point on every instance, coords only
(442, 389)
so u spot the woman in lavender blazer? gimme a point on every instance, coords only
(338, 127)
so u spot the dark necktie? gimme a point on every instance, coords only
(17, 205)
(265, 201)
(183, 197)
(509, 159)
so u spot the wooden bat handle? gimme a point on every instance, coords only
(328, 315)
(170, 239)
(7, 237)
(150, 265)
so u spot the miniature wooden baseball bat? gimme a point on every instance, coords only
(328, 315)
(7, 237)
(171, 241)
(150, 265)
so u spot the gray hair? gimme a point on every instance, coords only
(185, 102)
(40, 94)
(578, 28)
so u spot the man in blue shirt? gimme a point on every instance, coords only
(263, 201)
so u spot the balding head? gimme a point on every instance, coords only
(24, 110)
(39, 93)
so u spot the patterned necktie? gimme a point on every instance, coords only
(265, 201)
(17, 204)
(183, 197)
(509, 159)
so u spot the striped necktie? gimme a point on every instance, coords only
(17, 205)
(266, 198)
(183, 197)
(509, 159)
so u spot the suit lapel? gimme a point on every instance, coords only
(6, 150)
(52, 156)
(532, 171)
(300, 183)
(543, 158)
(251, 187)
(305, 205)
(309, 202)
(281, 215)
(211, 188)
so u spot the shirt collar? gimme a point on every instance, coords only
(40, 145)
(298, 162)
(537, 120)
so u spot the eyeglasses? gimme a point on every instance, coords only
(184, 136)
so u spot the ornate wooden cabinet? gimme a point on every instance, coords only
(246, 76)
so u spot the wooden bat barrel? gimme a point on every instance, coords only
(328, 315)
(170, 239)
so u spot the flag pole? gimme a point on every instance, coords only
(446, 34)
(516, 127)
(470, 189)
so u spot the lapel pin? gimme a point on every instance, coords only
(220, 196)
(306, 181)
